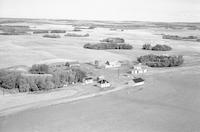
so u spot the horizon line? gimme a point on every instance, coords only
(99, 20)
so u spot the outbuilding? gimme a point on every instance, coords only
(103, 83)
(136, 82)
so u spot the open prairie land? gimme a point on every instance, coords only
(167, 102)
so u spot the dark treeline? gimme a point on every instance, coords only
(161, 60)
(176, 37)
(103, 46)
(14, 30)
(51, 36)
(41, 77)
(157, 47)
(113, 40)
(40, 31)
(58, 31)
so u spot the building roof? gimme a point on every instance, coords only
(137, 80)
(103, 81)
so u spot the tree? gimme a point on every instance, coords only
(24, 85)
(9, 79)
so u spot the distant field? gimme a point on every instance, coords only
(30, 49)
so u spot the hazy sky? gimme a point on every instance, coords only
(139, 10)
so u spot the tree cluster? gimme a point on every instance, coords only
(103, 46)
(161, 60)
(40, 78)
(157, 47)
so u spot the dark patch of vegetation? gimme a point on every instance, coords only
(103, 46)
(58, 31)
(14, 30)
(91, 27)
(77, 35)
(157, 47)
(40, 80)
(51, 36)
(113, 40)
(176, 37)
(39, 69)
(77, 30)
(40, 31)
(161, 60)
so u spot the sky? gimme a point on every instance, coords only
(120, 10)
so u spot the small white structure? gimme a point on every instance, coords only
(88, 80)
(103, 83)
(114, 64)
(138, 69)
(136, 82)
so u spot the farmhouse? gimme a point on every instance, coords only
(88, 80)
(136, 82)
(103, 83)
(138, 69)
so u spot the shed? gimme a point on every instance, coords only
(136, 82)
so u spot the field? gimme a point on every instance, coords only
(168, 102)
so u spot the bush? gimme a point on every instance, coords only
(51, 36)
(161, 61)
(39, 69)
(103, 46)
(159, 47)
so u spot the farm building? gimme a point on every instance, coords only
(136, 82)
(138, 69)
(114, 64)
(88, 80)
(103, 83)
